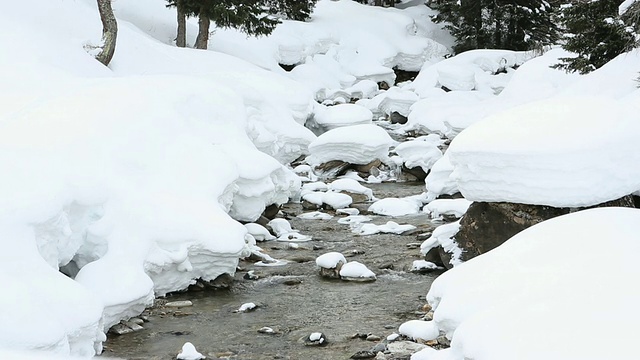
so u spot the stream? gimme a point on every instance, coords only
(294, 300)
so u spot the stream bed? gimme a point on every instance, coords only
(294, 300)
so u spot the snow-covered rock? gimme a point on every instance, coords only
(446, 207)
(355, 271)
(443, 236)
(357, 144)
(332, 117)
(396, 206)
(418, 329)
(421, 152)
(391, 227)
(189, 352)
(523, 301)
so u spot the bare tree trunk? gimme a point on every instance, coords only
(203, 31)
(181, 37)
(109, 32)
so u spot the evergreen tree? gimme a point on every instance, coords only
(595, 33)
(253, 17)
(501, 24)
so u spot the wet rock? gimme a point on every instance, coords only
(404, 347)
(300, 259)
(271, 211)
(251, 275)
(133, 326)
(267, 330)
(423, 236)
(485, 226)
(386, 266)
(443, 341)
(415, 245)
(291, 282)
(178, 304)
(316, 339)
(372, 337)
(223, 281)
(136, 320)
(332, 169)
(318, 247)
(367, 169)
(437, 256)
(397, 118)
(363, 354)
(120, 329)
(330, 264)
(428, 316)
(379, 347)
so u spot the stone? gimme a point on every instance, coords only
(379, 347)
(443, 341)
(120, 329)
(251, 275)
(428, 316)
(372, 337)
(397, 118)
(267, 330)
(137, 320)
(363, 354)
(404, 347)
(291, 282)
(179, 304)
(316, 339)
(485, 226)
(133, 326)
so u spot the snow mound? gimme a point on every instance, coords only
(330, 260)
(391, 227)
(590, 157)
(450, 207)
(443, 236)
(418, 329)
(357, 144)
(522, 301)
(351, 186)
(356, 271)
(342, 115)
(421, 152)
(396, 206)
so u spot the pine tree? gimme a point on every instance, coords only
(253, 17)
(595, 33)
(502, 24)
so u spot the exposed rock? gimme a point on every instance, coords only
(397, 118)
(417, 172)
(179, 304)
(404, 347)
(363, 354)
(372, 337)
(120, 329)
(485, 226)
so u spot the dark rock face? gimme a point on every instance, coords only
(397, 118)
(485, 226)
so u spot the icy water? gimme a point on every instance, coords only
(294, 300)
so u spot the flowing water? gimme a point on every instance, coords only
(294, 300)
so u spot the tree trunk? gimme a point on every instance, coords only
(181, 37)
(203, 31)
(109, 32)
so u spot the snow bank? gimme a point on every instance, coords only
(357, 144)
(590, 157)
(125, 182)
(523, 301)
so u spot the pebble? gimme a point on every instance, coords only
(389, 326)
(251, 275)
(133, 326)
(318, 247)
(393, 337)
(379, 347)
(179, 304)
(137, 321)
(291, 282)
(413, 245)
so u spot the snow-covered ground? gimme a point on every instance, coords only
(123, 183)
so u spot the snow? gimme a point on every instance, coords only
(443, 236)
(421, 152)
(396, 206)
(523, 301)
(451, 207)
(391, 227)
(342, 115)
(356, 270)
(351, 186)
(418, 329)
(330, 260)
(315, 337)
(354, 219)
(513, 157)
(315, 215)
(259, 232)
(420, 265)
(357, 144)
(438, 181)
(246, 307)
(332, 199)
(189, 352)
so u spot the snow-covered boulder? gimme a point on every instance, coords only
(530, 298)
(355, 271)
(422, 152)
(396, 206)
(590, 157)
(446, 207)
(327, 118)
(330, 264)
(357, 144)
